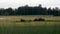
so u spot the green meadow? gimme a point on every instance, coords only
(13, 25)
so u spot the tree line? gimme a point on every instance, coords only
(27, 10)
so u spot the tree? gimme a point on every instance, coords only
(27, 10)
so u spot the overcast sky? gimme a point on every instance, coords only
(17, 3)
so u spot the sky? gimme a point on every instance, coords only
(18, 3)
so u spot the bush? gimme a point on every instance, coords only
(39, 19)
(22, 20)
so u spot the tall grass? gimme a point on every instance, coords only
(12, 25)
(41, 27)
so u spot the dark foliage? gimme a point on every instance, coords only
(39, 19)
(27, 10)
(22, 20)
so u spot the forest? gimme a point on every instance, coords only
(28, 10)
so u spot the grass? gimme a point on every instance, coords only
(30, 30)
(12, 25)
(41, 27)
(17, 18)
(29, 23)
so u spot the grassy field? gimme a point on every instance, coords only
(17, 18)
(12, 25)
